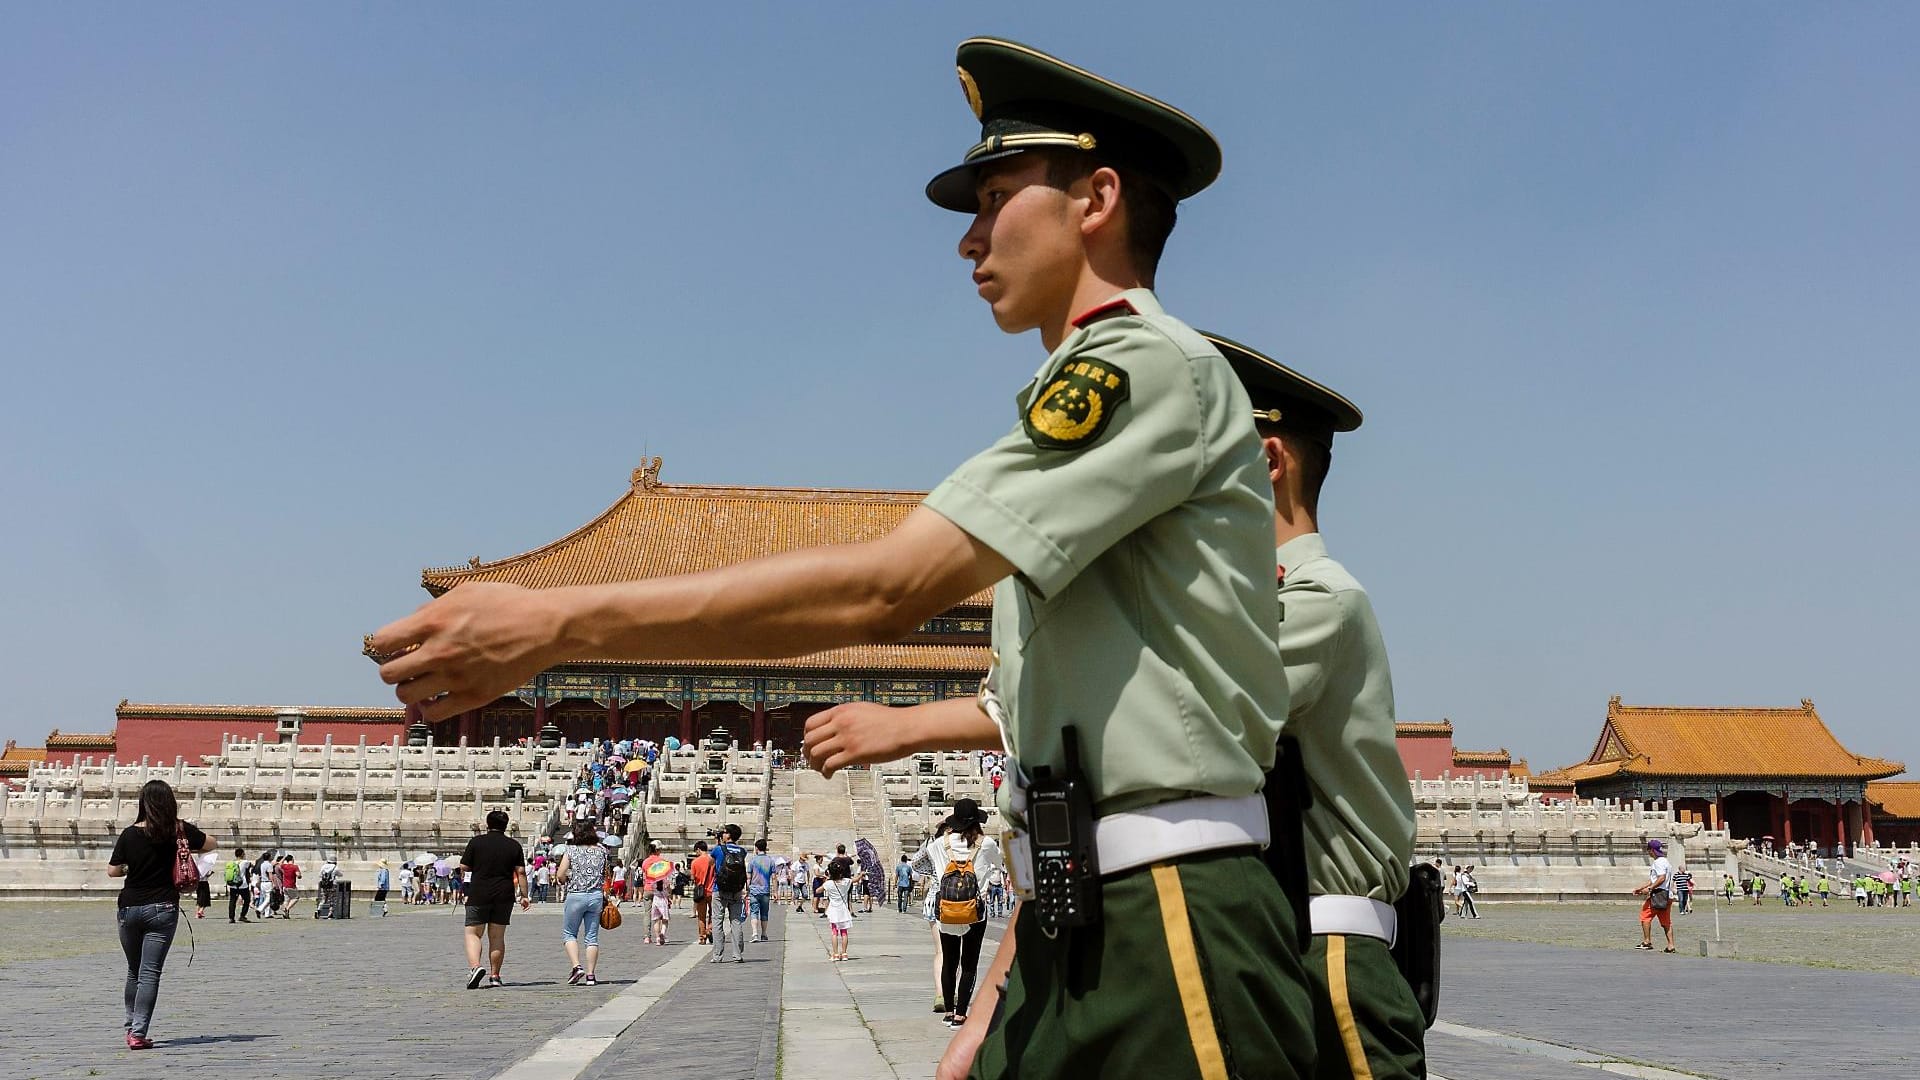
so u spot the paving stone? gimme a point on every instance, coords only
(362, 997)
(1722, 1018)
(719, 1022)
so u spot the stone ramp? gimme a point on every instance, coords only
(822, 812)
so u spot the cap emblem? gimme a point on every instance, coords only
(972, 90)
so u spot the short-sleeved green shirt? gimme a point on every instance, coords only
(1360, 827)
(1143, 609)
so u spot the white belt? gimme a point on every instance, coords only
(1187, 827)
(1154, 834)
(1354, 915)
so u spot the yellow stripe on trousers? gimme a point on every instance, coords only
(1343, 1008)
(1186, 973)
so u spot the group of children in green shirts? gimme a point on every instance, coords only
(1797, 892)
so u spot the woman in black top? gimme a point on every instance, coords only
(149, 908)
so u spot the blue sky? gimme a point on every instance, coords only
(295, 302)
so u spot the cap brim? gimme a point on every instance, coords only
(954, 189)
(1263, 375)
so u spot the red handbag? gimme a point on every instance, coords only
(186, 872)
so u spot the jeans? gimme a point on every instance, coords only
(238, 899)
(1467, 906)
(729, 915)
(146, 933)
(906, 893)
(996, 901)
(582, 907)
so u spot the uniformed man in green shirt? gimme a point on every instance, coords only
(1359, 824)
(1124, 522)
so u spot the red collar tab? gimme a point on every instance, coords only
(1117, 306)
(1282, 576)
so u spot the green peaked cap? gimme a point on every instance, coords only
(1284, 397)
(1028, 100)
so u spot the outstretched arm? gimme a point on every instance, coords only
(863, 733)
(483, 639)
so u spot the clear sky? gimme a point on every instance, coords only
(296, 300)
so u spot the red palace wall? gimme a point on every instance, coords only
(1428, 755)
(161, 740)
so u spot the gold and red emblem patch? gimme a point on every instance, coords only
(1076, 405)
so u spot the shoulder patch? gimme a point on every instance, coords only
(1076, 405)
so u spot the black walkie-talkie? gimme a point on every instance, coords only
(1066, 863)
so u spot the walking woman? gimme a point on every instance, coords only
(149, 908)
(583, 874)
(963, 851)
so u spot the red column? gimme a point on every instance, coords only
(760, 722)
(686, 722)
(613, 720)
(1840, 827)
(470, 726)
(1866, 822)
(1786, 817)
(539, 715)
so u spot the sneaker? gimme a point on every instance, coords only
(1645, 946)
(742, 959)
(494, 981)
(474, 980)
(591, 981)
(576, 975)
(138, 1042)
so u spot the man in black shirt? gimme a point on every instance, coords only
(499, 868)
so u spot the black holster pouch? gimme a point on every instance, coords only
(1288, 797)
(1417, 951)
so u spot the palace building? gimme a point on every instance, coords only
(1763, 772)
(656, 530)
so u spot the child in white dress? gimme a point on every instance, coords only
(839, 914)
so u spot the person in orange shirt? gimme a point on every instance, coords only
(701, 870)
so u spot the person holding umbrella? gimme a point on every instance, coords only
(657, 872)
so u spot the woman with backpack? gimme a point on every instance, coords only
(583, 874)
(962, 858)
(155, 856)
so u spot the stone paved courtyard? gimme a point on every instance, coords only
(383, 998)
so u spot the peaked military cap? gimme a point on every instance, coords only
(1026, 100)
(1284, 397)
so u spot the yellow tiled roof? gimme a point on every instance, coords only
(1896, 798)
(1685, 741)
(80, 740)
(23, 753)
(256, 712)
(970, 660)
(656, 530)
(1482, 757)
(1409, 727)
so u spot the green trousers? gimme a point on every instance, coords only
(1194, 973)
(1365, 1019)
